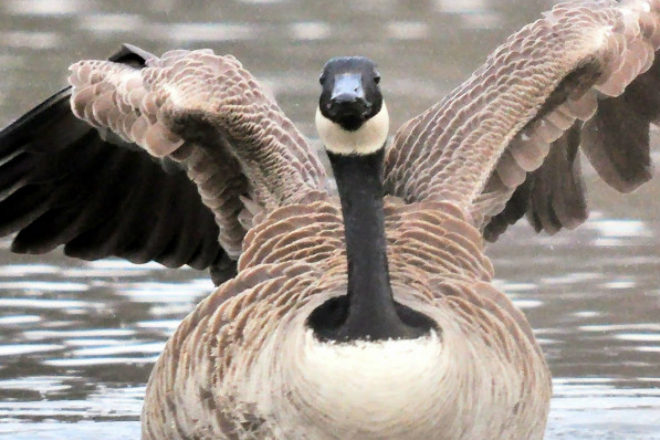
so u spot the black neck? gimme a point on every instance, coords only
(368, 311)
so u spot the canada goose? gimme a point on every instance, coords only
(287, 348)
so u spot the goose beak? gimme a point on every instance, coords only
(348, 98)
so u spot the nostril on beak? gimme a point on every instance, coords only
(344, 98)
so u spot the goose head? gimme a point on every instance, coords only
(351, 117)
(352, 121)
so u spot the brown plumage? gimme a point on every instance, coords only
(244, 363)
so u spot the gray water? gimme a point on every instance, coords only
(78, 339)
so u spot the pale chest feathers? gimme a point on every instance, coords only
(416, 389)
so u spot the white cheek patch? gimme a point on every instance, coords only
(369, 138)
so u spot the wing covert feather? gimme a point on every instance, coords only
(187, 101)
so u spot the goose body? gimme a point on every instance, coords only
(294, 385)
(370, 315)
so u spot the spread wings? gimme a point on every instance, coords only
(505, 142)
(502, 145)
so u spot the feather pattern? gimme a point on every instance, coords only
(492, 133)
(146, 123)
(198, 97)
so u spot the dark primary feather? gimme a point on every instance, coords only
(62, 182)
(552, 197)
(616, 141)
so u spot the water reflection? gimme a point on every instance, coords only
(599, 288)
(78, 339)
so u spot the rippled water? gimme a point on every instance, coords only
(78, 339)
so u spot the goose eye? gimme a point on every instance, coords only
(377, 79)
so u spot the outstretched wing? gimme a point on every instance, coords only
(505, 142)
(156, 168)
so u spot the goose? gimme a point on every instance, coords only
(369, 315)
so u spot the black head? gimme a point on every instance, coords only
(351, 94)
